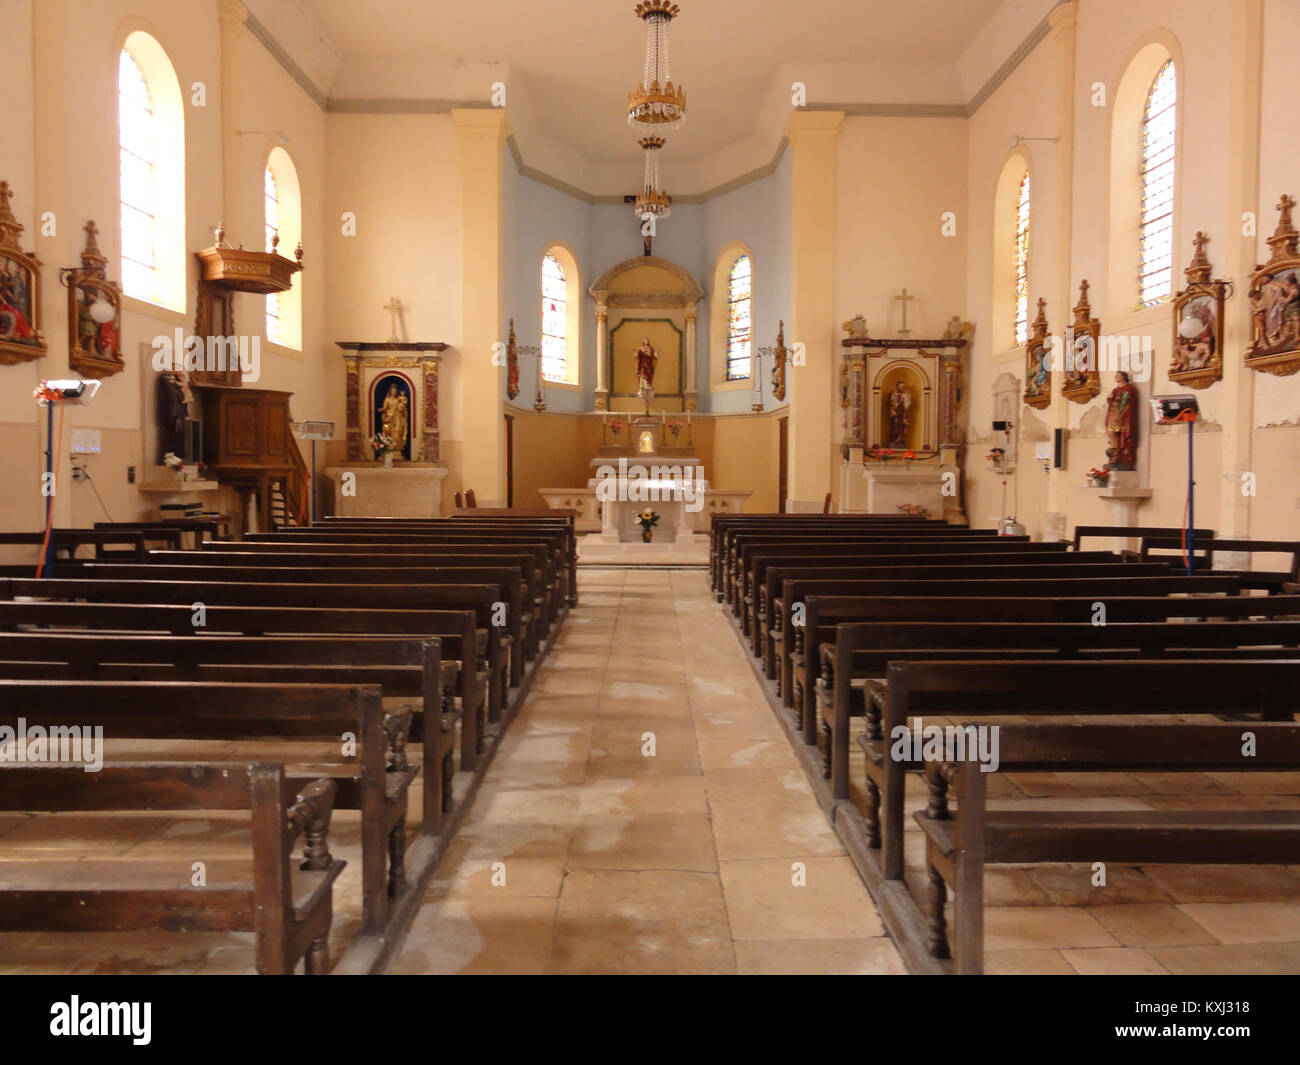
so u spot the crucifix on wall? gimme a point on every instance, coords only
(905, 298)
(395, 307)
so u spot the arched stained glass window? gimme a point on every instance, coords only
(739, 318)
(137, 152)
(555, 293)
(1022, 260)
(1155, 248)
(271, 199)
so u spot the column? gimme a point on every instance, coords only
(690, 390)
(480, 134)
(1237, 396)
(1063, 20)
(232, 15)
(602, 356)
(811, 388)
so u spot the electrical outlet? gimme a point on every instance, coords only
(130, 475)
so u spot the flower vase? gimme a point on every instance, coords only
(388, 460)
(647, 535)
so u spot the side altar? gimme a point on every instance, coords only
(393, 465)
(903, 437)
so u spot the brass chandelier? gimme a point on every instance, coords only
(656, 106)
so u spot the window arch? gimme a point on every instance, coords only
(1022, 260)
(282, 218)
(151, 174)
(1155, 245)
(1143, 179)
(560, 323)
(740, 318)
(1011, 288)
(731, 318)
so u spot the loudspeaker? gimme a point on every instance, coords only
(1058, 449)
(1001, 427)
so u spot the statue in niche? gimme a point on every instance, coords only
(394, 418)
(646, 360)
(1121, 424)
(900, 415)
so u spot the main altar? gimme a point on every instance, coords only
(902, 435)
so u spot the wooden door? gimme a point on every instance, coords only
(510, 460)
(783, 467)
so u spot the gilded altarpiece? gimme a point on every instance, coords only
(366, 363)
(901, 400)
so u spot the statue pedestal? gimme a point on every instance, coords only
(408, 490)
(881, 488)
(1125, 495)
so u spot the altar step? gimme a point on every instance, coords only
(691, 554)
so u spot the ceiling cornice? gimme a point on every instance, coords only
(398, 106)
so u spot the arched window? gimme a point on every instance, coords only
(740, 318)
(151, 159)
(1155, 249)
(1022, 260)
(282, 217)
(555, 319)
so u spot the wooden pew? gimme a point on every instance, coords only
(523, 620)
(768, 610)
(486, 600)
(289, 909)
(250, 712)
(960, 844)
(1013, 601)
(1132, 532)
(67, 541)
(552, 584)
(1271, 581)
(409, 669)
(860, 654)
(999, 688)
(454, 628)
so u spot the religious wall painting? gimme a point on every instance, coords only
(391, 403)
(1038, 362)
(94, 314)
(1082, 380)
(1197, 359)
(1275, 301)
(21, 339)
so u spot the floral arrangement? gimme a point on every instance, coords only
(647, 519)
(914, 510)
(884, 454)
(173, 461)
(382, 445)
(1099, 477)
(997, 454)
(675, 428)
(616, 426)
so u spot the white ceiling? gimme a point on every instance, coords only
(568, 64)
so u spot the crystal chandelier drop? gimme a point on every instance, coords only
(655, 106)
(652, 200)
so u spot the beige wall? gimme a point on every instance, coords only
(70, 49)
(1200, 34)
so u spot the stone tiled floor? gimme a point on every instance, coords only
(646, 815)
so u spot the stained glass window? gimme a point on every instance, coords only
(1156, 247)
(272, 212)
(739, 318)
(1022, 260)
(137, 153)
(555, 293)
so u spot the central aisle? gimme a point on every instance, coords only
(586, 853)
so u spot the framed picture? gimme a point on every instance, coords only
(21, 339)
(94, 314)
(1275, 302)
(1197, 359)
(1082, 377)
(1038, 362)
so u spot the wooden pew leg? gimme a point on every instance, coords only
(936, 940)
(871, 815)
(448, 774)
(317, 959)
(397, 858)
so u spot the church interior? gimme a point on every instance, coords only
(480, 499)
